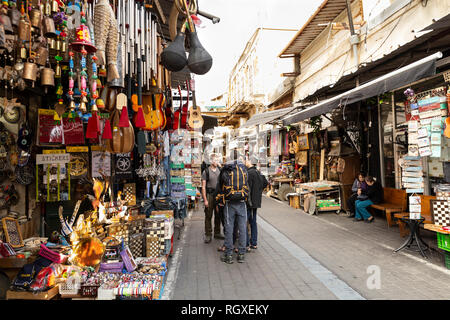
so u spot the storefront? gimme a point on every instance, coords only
(99, 160)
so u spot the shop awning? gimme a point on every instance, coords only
(266, 117)
(395, 79)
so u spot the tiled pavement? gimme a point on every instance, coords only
(305, 257)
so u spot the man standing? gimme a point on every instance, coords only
(256, 184)
(233, 182)
(209, 182)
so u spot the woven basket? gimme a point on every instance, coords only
(102, 17)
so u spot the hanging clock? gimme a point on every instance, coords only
(12, 115)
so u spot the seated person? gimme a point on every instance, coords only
(375, 196)
(358, 184)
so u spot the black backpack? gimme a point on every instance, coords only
(235, 182)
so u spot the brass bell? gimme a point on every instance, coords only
(48, 8)
(23, 53)
(72, 105)
(24, 30)
(58, 45)
(35, 18)
(49, 28)
(47, 77)
(55, 6)
(42, 56)
(52, 44)
(58, 71)
(30, 71)
(63, 46)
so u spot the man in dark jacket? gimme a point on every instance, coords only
(256, 183)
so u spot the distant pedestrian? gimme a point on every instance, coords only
(375, 196)
(233, 182)
(256, 184)
(209, 183)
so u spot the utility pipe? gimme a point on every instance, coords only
(354, 38)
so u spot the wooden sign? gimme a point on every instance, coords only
(12, 232)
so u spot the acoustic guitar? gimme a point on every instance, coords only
(195, 116)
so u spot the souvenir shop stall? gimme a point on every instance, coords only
(94, 146)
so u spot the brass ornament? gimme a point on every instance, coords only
(47, 77)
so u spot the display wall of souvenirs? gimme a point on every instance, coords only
(87, 125)
(428, 145)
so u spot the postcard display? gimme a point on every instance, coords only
(427, 145)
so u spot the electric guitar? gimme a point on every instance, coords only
(195, 116)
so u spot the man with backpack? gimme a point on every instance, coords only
(209, 183)
(233, 193)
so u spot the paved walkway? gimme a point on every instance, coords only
(305, 257)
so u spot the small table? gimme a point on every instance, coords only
(414, 235)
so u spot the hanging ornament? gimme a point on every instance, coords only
(124, 121)
(107, 131)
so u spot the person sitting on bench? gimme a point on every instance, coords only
(358, 184)
(375, 196)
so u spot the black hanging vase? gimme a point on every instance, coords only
(199, 61)
(173, 58)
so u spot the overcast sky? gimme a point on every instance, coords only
(239, 19)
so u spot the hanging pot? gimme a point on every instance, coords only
(174, 57)
(24, 30)
(199, 61)
(42, 56)
(6, 21)
(49, 28)
(47, 77)
(35, 18)
(14, 15)
(30, 70)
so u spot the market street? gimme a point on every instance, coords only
(306, 257)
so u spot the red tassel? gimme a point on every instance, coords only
(92, 127)
(139, 122)
(124, 122)
(107, 132)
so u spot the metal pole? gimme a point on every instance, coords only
(354, 38)
(396, 151)
(380, 144)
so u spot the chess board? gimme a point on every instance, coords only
(137, 245)
(441, 212)
(152, 247)
(120, 231)
(155, 229)
(129, 190)
(136, 226)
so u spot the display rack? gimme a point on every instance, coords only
(322, 191)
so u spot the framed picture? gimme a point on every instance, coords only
(12, 232)
(301, 158)
(303, 143)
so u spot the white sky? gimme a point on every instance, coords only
(226, 40)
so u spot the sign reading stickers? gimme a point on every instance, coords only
(61, 158)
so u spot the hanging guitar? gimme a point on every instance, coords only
(176, 124)
(168, 110)
(195, 116)
(154, 116)
(184, 115)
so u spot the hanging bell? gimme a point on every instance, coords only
(58, 45)
(63, 46)
(42, 56)
(49, 28)
(58, 71)
(83, 104)
(35, 18)
(30, 71)
(47, 77)
(72, 105)
(52, 44)
(24, 30)
(55, 6)
(48, 8)
(23, 53)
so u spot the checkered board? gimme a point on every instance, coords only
(153, 247)
(119, 231)
(136, 226)
(441, 212)
(443, 195)
(157, 231)
(137, 245)
(129, 190)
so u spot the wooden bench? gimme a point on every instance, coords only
(394, 200)
(425, 212)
